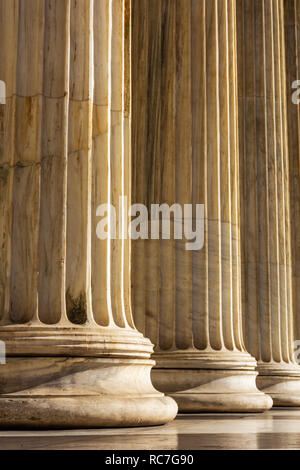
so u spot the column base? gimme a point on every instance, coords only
(198, 385)
(281, 382)
(67, 392)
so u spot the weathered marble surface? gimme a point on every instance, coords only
(210, 121)
(185, 150)
(67, 392)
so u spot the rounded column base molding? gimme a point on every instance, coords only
(85, 412)
(281, 382)
(206, 359)
(67, 392)
(199, 390)
(39, 339)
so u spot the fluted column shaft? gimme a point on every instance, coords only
(185, 141)
(267, 288)
(75, 357)
(292, 47)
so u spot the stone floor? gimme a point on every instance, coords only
(275, 429)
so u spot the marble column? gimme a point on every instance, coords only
(185, 151)
(292, 42)
(265, 208)
(74, 356)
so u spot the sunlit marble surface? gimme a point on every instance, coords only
(275, 429)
